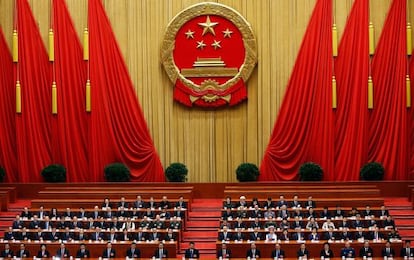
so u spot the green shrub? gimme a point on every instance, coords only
(310, 171)
(373, 171)
(176, 172)
(117, 172)
(247, 172)
(54, 173)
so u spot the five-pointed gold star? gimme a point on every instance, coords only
(216, 44)
(208, 26)
(189, 34)
(227, 33)
(200, 45)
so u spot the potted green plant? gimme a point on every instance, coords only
(176, 172)
(54, 173)
(247, 172)
(117, 172)
(2, 174)
(373, 171)
(310, 171)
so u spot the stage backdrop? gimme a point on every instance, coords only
(212, 143)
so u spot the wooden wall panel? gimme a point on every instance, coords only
(211, 142)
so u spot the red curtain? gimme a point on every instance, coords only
(70, 131)
(388, 136)
(34, 123)
(411, 119)
(304, 128)
(351, 115)
(118, 127)
(7, 113)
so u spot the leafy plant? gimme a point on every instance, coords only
(373, 171)
(310, 171)
(54, 173)
(247, 172)
(117, 172)
(176, 172)
(2, 174)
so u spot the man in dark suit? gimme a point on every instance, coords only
(97, 235)
(256, 235)
(161, 252)
(62, 252)
(9, 235)
(224, 252)
(407, 250)
(7, 252)
(133, 251)
(108, 252)
(225, 235)
(366, 251)
(181, 203)
(388, 251)
(253, 252)
(23, 252)
(83, 252)
(278, 253)
(303, 252)
(191, 252)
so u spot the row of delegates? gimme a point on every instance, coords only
(271, 235)
(284, 212)
(159, 221)
(97, 235)
(108, 213)
(139, 203)
(284, 223)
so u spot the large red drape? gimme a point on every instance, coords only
(388, 136)
(304, 128)
(351, 115)
(7, 111)
(70, 131)
(33, 125)
(411, 119)
(118, 127)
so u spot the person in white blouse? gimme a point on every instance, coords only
(328, 224)
(271, 236)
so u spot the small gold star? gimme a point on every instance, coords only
(227, 33)
(201, 45)
(216, 44)
(208, 26)
(189, 34)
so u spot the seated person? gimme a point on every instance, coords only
(238, 236)
(43, 253)
(224, 252)
(285, 235)
(281, 202)
(239, 224)
(253, 252)
(366, 250)
(108, 252)
(388, 223)
(284, 224)
(228, 214)
(133, 251)
(302, 252)
(368, 213)
(310, 203)
(256, 235)
(407, 251)
(325, 214)
(277, 252)
(358, 223)
(269, 214)
(388, 251)
(348, 251)
(326, 252)
(270, 223)
(7, 252)
(383, 212)
(181, 204)
(339, 213)
(361, 235)
(328, 224)
(346, 235)
(344, 224)
(353, 212)
(376, 235)
(312, 224)
(82, 252)
(170, 236)
(298, 213)
(224, 235)
(256, 212)
(297, 223)
(295, 202)
(23, 252)
(228, 204)
(330, 234)
(160, 252)
(256, 223)
(393, 235)
(283, 212)
(310, 213)
(269, 204)
(299, 236)
(271, 236)
(26, 214)
(314, 236)
(62, 252)
(164, 204)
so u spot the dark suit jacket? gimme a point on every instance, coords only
(195, 253)
(281, 254)
(45, 254)
(25, 253)
(137, 253)
(327, 255)
(112, 254)
(384, 252)
(164, 253)
(304, 253)
(403, 252)
(85, 254)
(9, 254)
(220, 253)
(250, 253)
(255, 237)
(368, 252)
(65, 253)
(227, 238)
